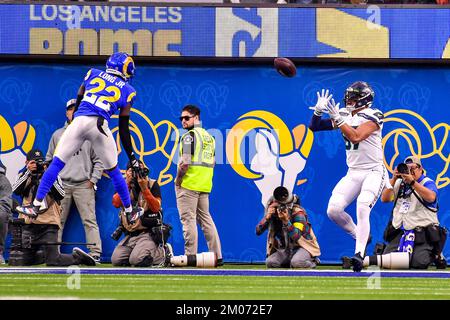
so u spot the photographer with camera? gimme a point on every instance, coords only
(415, 238)
(43, 230)
(79, 177)
(291, 241)
(5, 209)
(145, 234)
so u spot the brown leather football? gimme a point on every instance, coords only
(285, 67)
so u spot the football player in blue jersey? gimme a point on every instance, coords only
(101, 94)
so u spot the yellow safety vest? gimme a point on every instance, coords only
(199, 175)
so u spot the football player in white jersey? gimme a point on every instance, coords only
(361, 127)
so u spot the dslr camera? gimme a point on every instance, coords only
(285, 198)
(140, 172)
(402, 168)
(40, 166)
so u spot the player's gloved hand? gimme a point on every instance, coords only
(333, 110)
(322, 100)
(134, 164)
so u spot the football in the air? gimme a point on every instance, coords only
(285, 67)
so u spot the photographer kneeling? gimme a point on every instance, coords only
(415, 238)
(42, 230)
(145, 234)
(291, 241)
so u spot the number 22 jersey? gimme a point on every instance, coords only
(104, 94)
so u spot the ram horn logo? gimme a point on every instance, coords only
(152, 140)
(14, 145)
(277, 154)
(413, 135)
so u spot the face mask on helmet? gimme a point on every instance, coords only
(121, 64)
(358, 95)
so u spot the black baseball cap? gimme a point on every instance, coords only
(35, 154)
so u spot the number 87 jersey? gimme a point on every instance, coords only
(104, 94)
(368, 153)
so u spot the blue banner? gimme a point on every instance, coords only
(372, 32)
(237, 102)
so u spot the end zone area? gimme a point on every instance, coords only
(220, 284)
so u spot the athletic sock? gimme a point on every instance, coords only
(362, 228)
(48, 179)
(121, 187)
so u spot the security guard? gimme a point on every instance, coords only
(194, 183)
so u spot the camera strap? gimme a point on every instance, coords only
(435, 210)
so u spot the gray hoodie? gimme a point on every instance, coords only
(83, 166)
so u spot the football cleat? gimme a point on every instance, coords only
(346, 262)
(82, 257)
(357, 262)
(31, 210)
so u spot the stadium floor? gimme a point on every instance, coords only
(225, 283)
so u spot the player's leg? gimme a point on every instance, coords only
(71, 140)
(105, 147)
(343, 194)
(370, 192)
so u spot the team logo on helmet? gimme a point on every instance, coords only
(358, 95)
(121, 64)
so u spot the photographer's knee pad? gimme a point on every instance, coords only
(147, 261)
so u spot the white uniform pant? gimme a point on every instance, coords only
(365, 186)
(85, 128)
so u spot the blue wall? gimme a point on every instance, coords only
(412, 99)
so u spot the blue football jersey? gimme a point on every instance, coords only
(104, 94)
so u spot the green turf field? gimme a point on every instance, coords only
(161, 287)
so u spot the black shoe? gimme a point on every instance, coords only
(346, 262)
(440, 263)
(82, 257)
(97, 259)
(219, 262)
(357, 262)
(31, 210)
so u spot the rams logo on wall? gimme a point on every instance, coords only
(276, 155)
(14, 145)
(412, 134)
(152, 139)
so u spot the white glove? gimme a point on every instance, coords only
(333, 110)
(322, 100)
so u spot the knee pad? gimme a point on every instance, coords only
(146, 262)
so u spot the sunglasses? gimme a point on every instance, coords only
(186, 118)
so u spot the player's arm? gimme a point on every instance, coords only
(317, 123)
(359, 134)
(355, 135)
(124, 133)
(80, 96)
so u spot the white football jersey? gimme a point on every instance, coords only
(368, 153)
